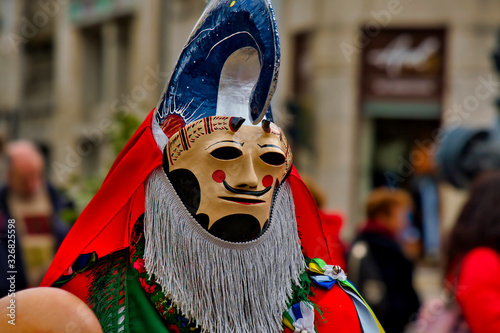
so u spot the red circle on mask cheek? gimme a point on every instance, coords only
(267, 181)
(219, 176)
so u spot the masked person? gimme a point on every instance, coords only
(202, 224)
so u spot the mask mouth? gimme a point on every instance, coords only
(237, 228)
(243, 201)
(245, 192)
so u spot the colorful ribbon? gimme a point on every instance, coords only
(328, 275)
(300, 318)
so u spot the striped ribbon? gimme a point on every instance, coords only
(327, 277)
(300, 318)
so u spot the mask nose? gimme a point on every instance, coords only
(246, 177)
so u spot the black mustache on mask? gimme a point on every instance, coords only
(245, 192)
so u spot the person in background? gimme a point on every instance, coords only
(424, 190)
(34, 204)
(377, 264)
(473, 256)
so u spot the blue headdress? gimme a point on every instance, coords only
(229, 66)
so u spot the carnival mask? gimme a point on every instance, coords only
(226, 173)
(222, 153)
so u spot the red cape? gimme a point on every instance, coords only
(105, 225)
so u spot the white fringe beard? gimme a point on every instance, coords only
(222, 286)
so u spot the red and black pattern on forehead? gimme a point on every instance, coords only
(185, 137)
(182, 140)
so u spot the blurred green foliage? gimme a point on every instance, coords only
(126, 125)
(83, 188)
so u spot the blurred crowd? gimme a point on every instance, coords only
(401, 231)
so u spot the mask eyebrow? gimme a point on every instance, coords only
(231, 141)
(265, 146)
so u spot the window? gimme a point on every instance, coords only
(92, 69)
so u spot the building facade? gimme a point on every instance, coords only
(436, 72)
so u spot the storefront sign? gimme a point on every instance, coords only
(86, 12)
(404, 69)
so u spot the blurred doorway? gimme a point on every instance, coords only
(401, 94)
(393, 142)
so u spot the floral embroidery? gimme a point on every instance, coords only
(148, 287)
(139, 266)
(173, 328)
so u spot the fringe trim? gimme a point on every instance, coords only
(223, 286)
(107, 291)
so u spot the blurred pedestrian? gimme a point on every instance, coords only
(424, 189)
(29, 200)
(473, 256)
(377, 264)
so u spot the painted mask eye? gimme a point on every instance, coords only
(226, 153)
(275, 159)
